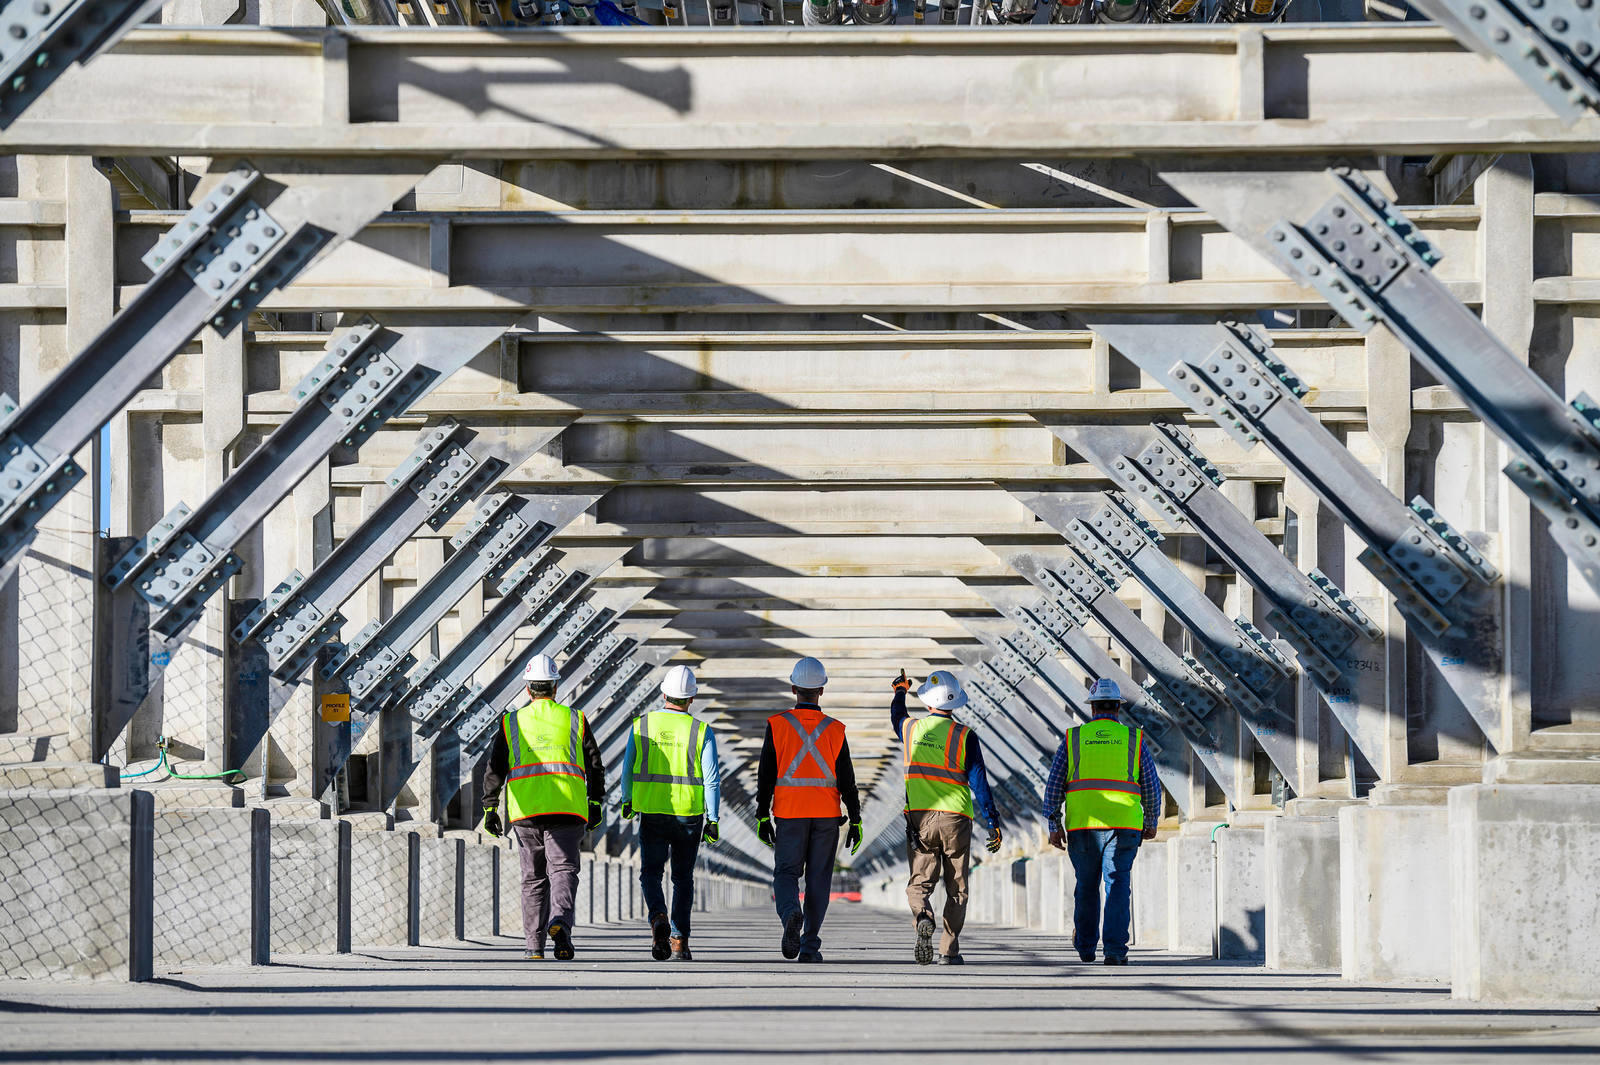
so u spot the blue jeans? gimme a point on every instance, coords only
(664, 837)
(1102, 854)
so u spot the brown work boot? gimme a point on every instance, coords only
(680, 948)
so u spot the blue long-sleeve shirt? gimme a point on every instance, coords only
(1055, 788)
(977, 776)
(710, 771)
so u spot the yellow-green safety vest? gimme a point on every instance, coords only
(667, 746)
(547, 777)
(1103, 776)
(936, 765)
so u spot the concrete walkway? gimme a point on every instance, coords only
(740, 1000)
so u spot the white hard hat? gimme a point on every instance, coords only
(679, 683)
(542, 668)
(1105, 690)
(808, 673)
(942, 691)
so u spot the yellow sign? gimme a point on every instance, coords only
(336, 708)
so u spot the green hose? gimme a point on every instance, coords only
(160, 763)
(175, 775)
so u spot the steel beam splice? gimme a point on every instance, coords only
(250, 233)
(1550, 45)
(369, 374)
(48, 37)
(1107, 529)
(1337, 232)
(1438, 576)
(494, 545)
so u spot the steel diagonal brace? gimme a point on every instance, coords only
(563, 620)
(48, 36)
(369, 374)
(450, 466)
(1439, 578)
(604, 657)
(1550, 45)
(1048, 627)
(1191, 697)
(1321, 228)
(1108, 529)
(505, 530)
(555, 629)
(249, 234)
(1016, 696)
(987, 712)
(1008, 664)
(1338, 645)
(598, 699)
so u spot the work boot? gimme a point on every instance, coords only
(660, 930)
(1086, 956)
(924, 950)
(680, 948)
(791, 935)
(563, 937)
(1116, 961)
(952, 959)
(811, 956)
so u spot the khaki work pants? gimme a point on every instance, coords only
(946, 854)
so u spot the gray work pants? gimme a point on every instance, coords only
(549, 854)
(804, 846)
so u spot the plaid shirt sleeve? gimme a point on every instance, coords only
(1055, 788)
(1149, 788)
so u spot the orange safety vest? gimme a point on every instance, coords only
(807, 743)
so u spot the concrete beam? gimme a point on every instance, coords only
(1408, 90)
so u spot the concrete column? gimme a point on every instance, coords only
(1191, 890)
(1033, 892)
(1302, 882)
(384, 880)
(1055, 892)
(211, 869)
(1394, 893)
(1523, 860)
(1241, 893)
(76, 884)
(440, 890)
(310, 886)
(1150, 891)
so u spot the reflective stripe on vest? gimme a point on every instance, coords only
(940, 785)
(808, 746)
(550, 781)
(1105, 792)
(681, 794)
(806, 785)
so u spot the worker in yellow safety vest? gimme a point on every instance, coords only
(546, 761)
(946, 784)
(672, 779)
(1107, 778)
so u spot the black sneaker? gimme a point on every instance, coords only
(1116, 961)
(660, 931)
(811, 956)
(924, 950)
(791, 935)
(952, 959)
(563, 938)
(1086, 956)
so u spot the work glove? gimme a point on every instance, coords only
(491, 821)
(711, 833)
(764, 831)
(596, 814)
(852, 839)
(902, 683)
(992, 844)
(627, 811)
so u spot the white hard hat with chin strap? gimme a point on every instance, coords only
(942, 691)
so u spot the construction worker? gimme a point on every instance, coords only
(945, 783)
(805, 772)
(551, 798)
(1113, 801)
(672, 779)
